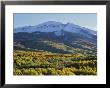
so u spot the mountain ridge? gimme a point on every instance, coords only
(51, 26)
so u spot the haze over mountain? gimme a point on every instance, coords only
(55, 37)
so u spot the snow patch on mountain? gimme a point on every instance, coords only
(57, 33)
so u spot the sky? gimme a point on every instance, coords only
(88, 20)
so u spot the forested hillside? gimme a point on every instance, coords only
(53, 48)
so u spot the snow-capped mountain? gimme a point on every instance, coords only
(50, 35)
(57, 27)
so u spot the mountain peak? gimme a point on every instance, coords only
(50, 23)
